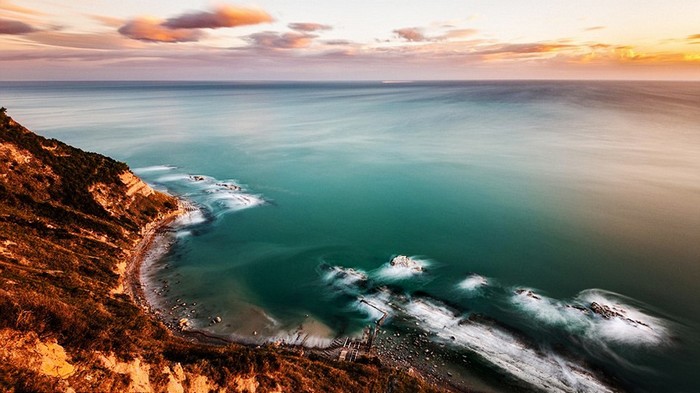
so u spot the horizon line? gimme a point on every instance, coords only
(381, 81)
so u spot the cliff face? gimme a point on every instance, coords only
(69, 221)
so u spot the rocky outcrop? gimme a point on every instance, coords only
(528, 293)
(608, 312)
(406, 262)
(71, 223)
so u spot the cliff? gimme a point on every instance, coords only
(70, 223)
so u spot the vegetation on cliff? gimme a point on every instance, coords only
(69, 221)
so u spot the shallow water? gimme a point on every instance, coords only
(578, 191)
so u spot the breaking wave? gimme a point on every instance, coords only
(395, 272)
(206, 197)
(502, 349)
(473, 283)
(598, 316)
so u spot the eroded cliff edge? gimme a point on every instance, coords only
(70, 223)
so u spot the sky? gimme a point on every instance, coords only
(349, 40)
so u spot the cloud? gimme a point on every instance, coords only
(107, 20)
(223, 16)
(694, 37)
(459, 33)
(273, 40)
(338, 42)
(530, 48)
(308, 27)
(8, 6)
(152, 30)
(14, 27)
(412, 34)
(79, 40)
(188, 27)
(593, 28)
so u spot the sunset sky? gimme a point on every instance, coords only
(349, 40)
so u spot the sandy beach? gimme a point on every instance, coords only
(132, 273)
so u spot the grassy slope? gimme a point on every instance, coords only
(59, 251)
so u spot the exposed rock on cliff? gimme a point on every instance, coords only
(69, 223)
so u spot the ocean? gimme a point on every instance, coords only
(523, 203)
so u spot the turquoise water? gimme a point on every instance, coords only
(578, 191)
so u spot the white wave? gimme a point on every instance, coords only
(473, 283)
(217, 196)
(175, 177)
(302, 339)
(375, 306)
(389, 272)
(550, 311)
(154, 168)
(233, 200)
(190, 218)
(344, 276)
(500, 348)
(633, 327)
(184, 233)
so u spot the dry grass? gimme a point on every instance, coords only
(58, 267)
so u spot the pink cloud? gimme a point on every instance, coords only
(79, 40)
(338, 42)
(308, 27)
(273, 40)
(412, 34)
(152, 30)
(223, 16)
(14, 27)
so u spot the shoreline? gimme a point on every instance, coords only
(132, 274)
(135, 289)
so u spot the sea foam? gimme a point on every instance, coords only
(629, 326)
(473, 283)
(500, 348)
(391, 272)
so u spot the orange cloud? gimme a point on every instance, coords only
(152, 30)
(459, 33)
(7, 6)
(14, 27)
(187, 27)
(524, 49)
(223, 16)
(308, 27)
